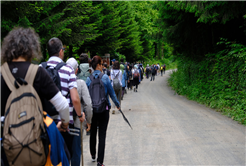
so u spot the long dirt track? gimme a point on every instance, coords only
(169, 129)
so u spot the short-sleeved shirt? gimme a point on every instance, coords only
(43, 84)
(68, 82)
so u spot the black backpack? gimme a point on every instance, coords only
(97, 93)
(53, 72)
(153, 70)
(129, 73)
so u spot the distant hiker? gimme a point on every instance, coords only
(164, 68)
(116, 77)
(111, 67)
(147, 71)
(142, 70)
(68, 86)
(83, 71)
(19, 47)
(136, 75)
(130, 78)
(100, 115)
(153, 72)
(105, 70)
(86, 107)
(123, 81)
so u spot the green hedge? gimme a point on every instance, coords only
(219, 81)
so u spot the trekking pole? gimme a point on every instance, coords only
(81, 133)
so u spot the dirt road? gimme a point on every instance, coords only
(168, 129)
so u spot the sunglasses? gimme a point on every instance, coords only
(64, 49)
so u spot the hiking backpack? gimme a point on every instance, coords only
(130, 74)
(24, 130)
(53, 72)
(97, 93)
(116, 82)
(135, 74)
(153, 70)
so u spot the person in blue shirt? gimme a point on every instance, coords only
(100, 119)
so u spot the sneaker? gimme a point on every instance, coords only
(93, 158)
(99, 164)
(113, 112)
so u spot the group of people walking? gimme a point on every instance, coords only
(70, 96)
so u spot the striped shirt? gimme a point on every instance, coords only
(68, 81)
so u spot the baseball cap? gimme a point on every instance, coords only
(113, 60)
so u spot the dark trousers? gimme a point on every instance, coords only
(68, 139)
(100, 120)
(161, 72)
(152, 77)
(164, 70)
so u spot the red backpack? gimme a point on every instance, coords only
(136, 74)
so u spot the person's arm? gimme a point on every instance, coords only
(86, 102)
(76, 103)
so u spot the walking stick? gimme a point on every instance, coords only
(81, 133)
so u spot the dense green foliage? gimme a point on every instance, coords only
(218, 81)
(210, 69)
(95, 27)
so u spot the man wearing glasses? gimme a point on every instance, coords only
(68, 86)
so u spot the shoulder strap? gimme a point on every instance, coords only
(100, 75)
(44, 64)
(91, 77)
(8, 77)
(59, 65)
(31, 73)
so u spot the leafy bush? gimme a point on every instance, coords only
(219, 81)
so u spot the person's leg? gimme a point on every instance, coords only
(76, 147)
(153, 77)
(123, 91)
(93, 136)
(112, 103)
(103, 124)
(118, 95)
(68, 138)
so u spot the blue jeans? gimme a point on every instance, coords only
(76, 147)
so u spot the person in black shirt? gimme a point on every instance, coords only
(19, 47)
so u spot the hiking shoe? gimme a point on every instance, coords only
(93, 158)
(99, 164)
(113, 112)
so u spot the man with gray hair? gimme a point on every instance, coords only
(86, 106)
(68, 86)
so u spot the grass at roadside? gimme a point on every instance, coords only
(218, 82)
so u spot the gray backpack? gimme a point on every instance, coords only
(97, 93)
(116, 82)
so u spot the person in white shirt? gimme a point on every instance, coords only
(136, 77)
(116, 73)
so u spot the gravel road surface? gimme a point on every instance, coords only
(169, 129)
